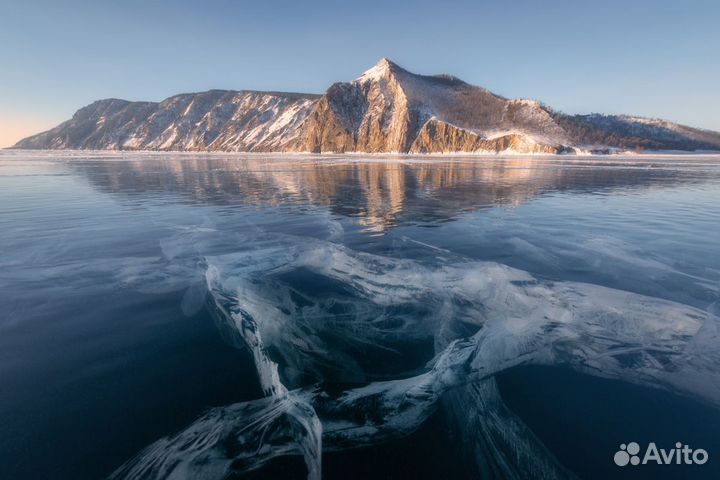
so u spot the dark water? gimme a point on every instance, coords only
(107, 342)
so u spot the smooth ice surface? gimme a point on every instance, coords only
(355, 298)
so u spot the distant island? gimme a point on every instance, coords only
(386, 110)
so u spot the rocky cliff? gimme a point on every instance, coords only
(386, 109)
(389, 109)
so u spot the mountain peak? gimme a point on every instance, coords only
(382, 69)
(385, 62)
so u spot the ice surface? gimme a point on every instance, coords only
(470, 319)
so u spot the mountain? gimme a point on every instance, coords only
(386, 109)
(215, 120)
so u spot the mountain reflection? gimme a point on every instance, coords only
(379, 193)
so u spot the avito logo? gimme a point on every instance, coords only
(680, 455)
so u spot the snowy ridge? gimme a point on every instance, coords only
(213, 120)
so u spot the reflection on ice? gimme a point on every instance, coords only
(380, 193)
(316, 316)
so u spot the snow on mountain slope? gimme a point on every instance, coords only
(386, 109)
(628, 132)
(213, 120)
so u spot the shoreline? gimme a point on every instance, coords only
(374, 155)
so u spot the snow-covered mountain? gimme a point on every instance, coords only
(386, 109)
(389, 109)
(214, 120)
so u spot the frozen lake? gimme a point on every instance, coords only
(370, 317)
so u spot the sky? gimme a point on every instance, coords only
(650, 58)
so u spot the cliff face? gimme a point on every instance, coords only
(386, 109)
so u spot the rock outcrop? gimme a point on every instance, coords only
(437, 136)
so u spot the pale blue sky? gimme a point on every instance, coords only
(650, 58)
